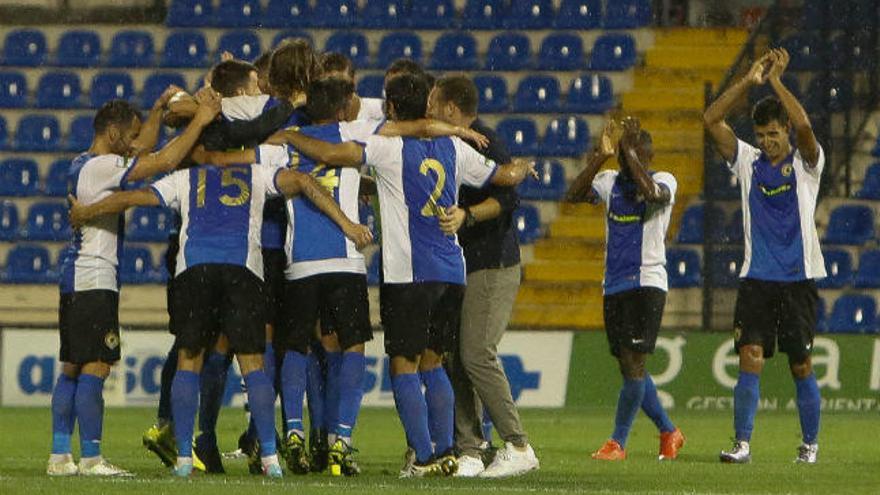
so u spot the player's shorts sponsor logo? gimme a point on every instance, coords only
(737, 333)
(111, 339)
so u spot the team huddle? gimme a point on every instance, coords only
(267, 178)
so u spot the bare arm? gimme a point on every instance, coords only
(648, 189)
(117, 202)
(803, 130)
(512, 174)
(149, 135)
(349, 154)
(223, 158)
(181, 108)
(428, 128)
(582, 187)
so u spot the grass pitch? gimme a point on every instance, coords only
(849, 458)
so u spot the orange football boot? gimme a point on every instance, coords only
(670, 443)
(611, 451)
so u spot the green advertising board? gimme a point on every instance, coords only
(697, 371)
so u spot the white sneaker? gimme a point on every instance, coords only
(739, 454)
(101, 467)
(61, 467)
(807, 453)
(511, 461)
(469, 467)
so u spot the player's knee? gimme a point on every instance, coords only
(359, 348)
(751, 358)
(222, 345)
(401, 365)
(800, 368)
(632, 364)
(430, 360)
(70, 370)
(330, 343)
(96, 368)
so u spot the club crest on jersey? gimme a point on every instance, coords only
(737, 333)
(111, 339)
(786, 170)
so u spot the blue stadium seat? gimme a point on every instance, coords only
(509, 51)
(832, 94)
(238, 13)
(384, 14)
(190, 13)
(483, 14)
(374, 269)
(399, 45)
(589, 93)
(59, 90)
(726, 264)
(185, 49)
(20, 177)
(155, 84)
(734, 231)
(432, 14)
(527, 221)
(149, 224)
(4, 134)
(108, 86)
(691, 229)
(613, 52)
(283, 35)
(537, 94)
(55, 182)
(136, 266)
(28, 264)
(868, 274)
(850, 224)
(871, 183)
(838, 266)
(13, 89)
(82, 131)
(288, 14)
(37, 133)
(8, 221)
(25, 47)
(132, 49)
(848, 51)
(683, 267)
(627, 14)
(821, 315)
(550, 185)
(805, 50)
(335, 14)
(530, 14)
(579, 14)
(520, 135)
(46, 222)
(853, 313)
(372, 86)
(493, 94)
(79, 49)
(565, 136)
(243, 45)
(455, 51)
(351, 44)
(561, 51)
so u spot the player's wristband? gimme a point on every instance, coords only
(469, 218)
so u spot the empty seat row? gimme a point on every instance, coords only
(42, 133)
(871, 183)
(31, 264)
(842, 273)
(63, 90)
(809, 52)
(823, 94)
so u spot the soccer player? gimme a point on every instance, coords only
(639, 205)
(89, 310)
(777, 296)
(335, 64)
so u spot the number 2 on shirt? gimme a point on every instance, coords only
(230, 178)
(431, 208)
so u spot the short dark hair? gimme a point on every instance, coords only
(115, 112)
(326, 97)
(460, 91)
(404, 66)
(262, 62)
(294, 65)
(336, 62)
(230, 76)
(769, 109)
(408, 94)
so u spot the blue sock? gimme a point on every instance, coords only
(351, 391)
(212, 387)
(631, 395)
(441, 408)
(809, 403)
(652, 407)
(269, 362)
(413, 412)
(63, 417)
(168, 369)
(745, 404)
(293, 389)
(315, 392)
(331, 391)
(184, 404)
(487, 426)
(89, 405)
(261, 397)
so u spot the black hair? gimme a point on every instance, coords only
(767, 110)
(262, 63)
(336, 62)
(293, 67)
(326, 97)
(230, 76)
(408, 94)
(461, 91)
(404, 66)
(115, 112)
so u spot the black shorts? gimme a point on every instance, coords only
(771, 313)
(419, 316)
(89, 324)
(171, 266)
(274, 263)
(338, 300)
(215, 299)
(632, 319)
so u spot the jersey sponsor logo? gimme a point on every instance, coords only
(776, 190)
(614, 217)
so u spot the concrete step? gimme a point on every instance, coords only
(569, 250)
(558, 293)
(664, 99)
(692, 57)
(664, 77)
(587, 227)
(699, 37)
(584, 271)
(557, 316)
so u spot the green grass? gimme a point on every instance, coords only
(563, 439)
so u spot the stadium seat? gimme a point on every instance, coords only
(351, 44)
(371, 87)
(627, 14)
(18, 177)
(149, 224)
(13, 89)
(131, 49)
(550, 185)
(561, 51)
(108, 86)
(335, 13)
(848, 51)
(565, 136)
(579, 14)
(287, 14)
(691, 229)
(4, 134)
(136, 266)
(589, 93)
(243, 45)
(238, 13)
(613, 52)
(37, 133)
(384, 14)
(25, 47)
(185, 49)
(520, 135)
(821, 315)
(454, 51)
(432, 14)
(374, 269)
(55, 182)
(28, 264)
(871, 183)
(399, 45)
(82, 131)
(8, 221)
(832, 94)
(805, 50)
(722, 184)
(59, 90)
(537, 94)
(155, 84)
(483, 14)
(868, 274)
(283, 35)
(853, 313)
(79, 49)
(725, 267)
(529, 14)
(790, 81)
(838, 266)
(493, 94)
(850, 224)
(683, 267)
(190, 13)
(46, 222)
(528, 223)
(509, 51)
